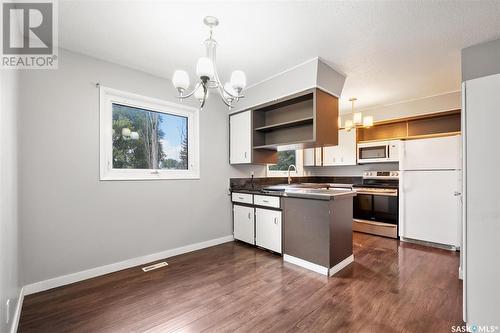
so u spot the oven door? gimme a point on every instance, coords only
(373, 153)
(376, 207)
(363, 207)
(385, 208)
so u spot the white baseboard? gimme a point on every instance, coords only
(306, 264)
(17, 313)
(98, 271)
(341, 265)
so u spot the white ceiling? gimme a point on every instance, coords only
(389, 51)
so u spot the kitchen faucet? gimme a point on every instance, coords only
(290, 178)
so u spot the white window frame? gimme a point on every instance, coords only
(107, 97)
(299, 158)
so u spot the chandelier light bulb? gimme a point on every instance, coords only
(348, 125)
(357, 118)
(180, 80)
(126, 132)
(368, 121)
(238, 80)
(134, 136)
(205, 68)
(228, 91)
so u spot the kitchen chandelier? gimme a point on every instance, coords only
(206, 70)
(357, 118)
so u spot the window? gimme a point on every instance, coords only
(285, 159)
(146, 138)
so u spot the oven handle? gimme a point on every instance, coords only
(387, 194)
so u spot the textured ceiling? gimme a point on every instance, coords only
(389, 51)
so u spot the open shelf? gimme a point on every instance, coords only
(286, 145)
(285, 124)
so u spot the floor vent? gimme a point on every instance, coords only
(155, 266)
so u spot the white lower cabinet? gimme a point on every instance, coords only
(268, 229)
(244, 227)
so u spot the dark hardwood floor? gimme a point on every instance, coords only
(390, 287)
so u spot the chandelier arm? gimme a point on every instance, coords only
(205, 90)
(224, 99)
(191, 93)
(213, 55)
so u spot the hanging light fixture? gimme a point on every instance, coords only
(357, 118)
(230, 92)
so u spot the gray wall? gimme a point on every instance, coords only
(70, 220)
(9, 257)
(481, 60)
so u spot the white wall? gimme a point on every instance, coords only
(70, 220)
(438, 103)
(9, 254)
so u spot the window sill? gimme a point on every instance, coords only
(117, 175)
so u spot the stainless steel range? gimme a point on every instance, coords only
(376, 204)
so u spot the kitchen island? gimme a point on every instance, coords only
(314, 222)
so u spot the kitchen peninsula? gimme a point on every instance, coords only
(309, 223)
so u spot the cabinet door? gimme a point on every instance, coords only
(268, 229)
(244, 226)
(318, 156)
(309, 157)
(347, 145)
(344, 153)
(331, 155)
(240, 136)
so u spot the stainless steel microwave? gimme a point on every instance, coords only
(378, 152)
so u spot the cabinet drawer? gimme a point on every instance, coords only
(268, 201)
(242, 197)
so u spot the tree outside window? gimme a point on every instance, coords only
(285, 159)
(144, 139)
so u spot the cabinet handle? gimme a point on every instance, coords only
(245, 154)
(241, 198)
(249, 216)
(456, 193)
(275, 220)
(265, 201)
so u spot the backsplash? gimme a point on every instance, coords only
(258, 183)
(350, 170)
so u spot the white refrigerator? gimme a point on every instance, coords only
(429, 190)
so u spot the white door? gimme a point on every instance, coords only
(268, 229)
(244, 226)
(431, 154)
(309, 157)
(429, 206)
(240, 127)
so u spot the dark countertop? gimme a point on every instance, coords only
(306, 191)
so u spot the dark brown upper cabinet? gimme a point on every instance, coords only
(303, 120)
